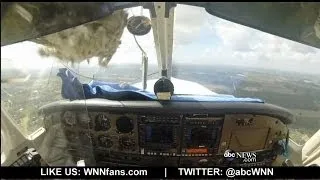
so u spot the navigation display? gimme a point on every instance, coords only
(202, 136)
(159, 134)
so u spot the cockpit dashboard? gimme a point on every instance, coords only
(153, 133)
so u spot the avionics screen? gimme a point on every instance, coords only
(159, 134)
(202, 137)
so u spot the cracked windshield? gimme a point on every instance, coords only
(225, 57)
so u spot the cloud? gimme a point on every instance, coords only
(234, 36)
(188, 23)
(241, 45)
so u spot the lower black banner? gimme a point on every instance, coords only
(164, 172)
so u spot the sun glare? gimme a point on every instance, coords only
(24, 55)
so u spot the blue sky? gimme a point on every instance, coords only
(200, 38)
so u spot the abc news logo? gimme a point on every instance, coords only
(247, 157)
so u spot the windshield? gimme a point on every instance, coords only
(229, 58)
(224, 57)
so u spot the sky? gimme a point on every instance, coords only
(201, 39)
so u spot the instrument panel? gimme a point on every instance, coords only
(147, 136)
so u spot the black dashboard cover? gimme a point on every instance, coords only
(146, 107)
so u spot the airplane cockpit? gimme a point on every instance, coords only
(170, 118)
